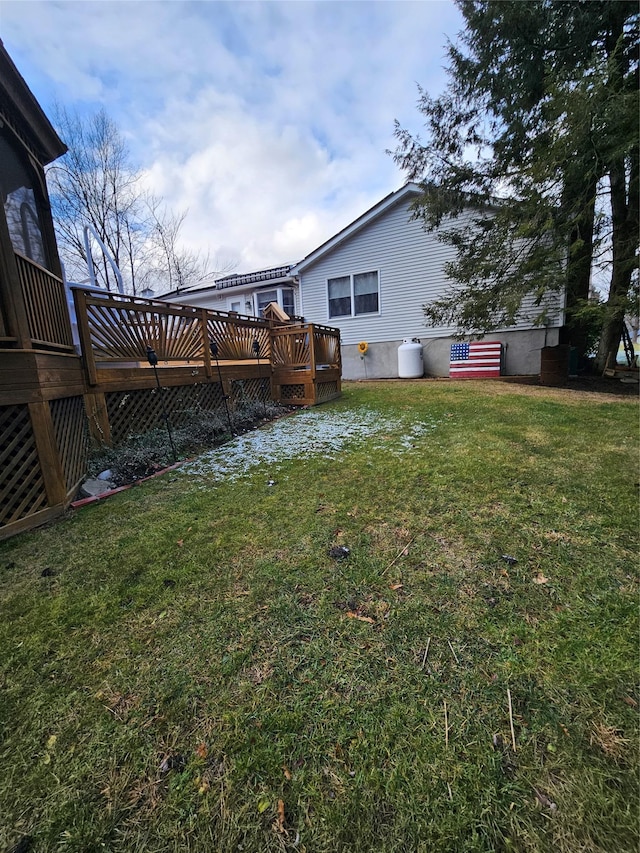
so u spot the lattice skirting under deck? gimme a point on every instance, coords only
(250, 390)
(135, 412)
(293, 392)
(70, 426)
(22, 490)
(326, 391)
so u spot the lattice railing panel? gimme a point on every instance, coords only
(327, 348)
(134, 412)
(70, 426)
(292, 392)
(235, 338)
(291, 347)
(120, 332)
(250, 390)
(22, 490)
(46, 305)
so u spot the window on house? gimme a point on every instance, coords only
(288, 304)
(340, 296)
(263, 298)
(351, 295)
(283, 297)
(365, 293)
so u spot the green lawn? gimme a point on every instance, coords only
(184, 667)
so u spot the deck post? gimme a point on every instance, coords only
(312, 351)
(48, 453)
(206, 344)
(82, 319)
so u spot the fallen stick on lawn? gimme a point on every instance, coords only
(397, 557)
(426, 652)
(513, 734)
(446, 725)
(453, 652)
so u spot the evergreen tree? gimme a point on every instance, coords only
(537, 135)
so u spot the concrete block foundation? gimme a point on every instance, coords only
(521, 355)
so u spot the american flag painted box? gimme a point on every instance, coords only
(476, 360)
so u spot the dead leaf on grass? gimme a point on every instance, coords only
(353, 615)
(201, 750)
(395, 586)
(287, 772)
(279, 821)
(540, 578)
(628, 700)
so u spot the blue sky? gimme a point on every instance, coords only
(267, 121)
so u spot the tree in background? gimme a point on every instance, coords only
(536, 135)
(95, 183)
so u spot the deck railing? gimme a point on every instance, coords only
(46, 307)
(306, 364)
(116, 330)
(305, 346)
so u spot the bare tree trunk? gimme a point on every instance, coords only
(624, 181)
(580, 261)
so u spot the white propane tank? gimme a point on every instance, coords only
(410, 364)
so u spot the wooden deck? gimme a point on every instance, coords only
(55, 395)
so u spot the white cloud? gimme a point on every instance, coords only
(268, 121)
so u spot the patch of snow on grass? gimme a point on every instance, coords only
(306, 434)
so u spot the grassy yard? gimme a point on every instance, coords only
(184, 667)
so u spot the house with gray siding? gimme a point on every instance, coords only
(371, 280)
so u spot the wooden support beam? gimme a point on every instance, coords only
(206, 344)
(82, 319)
(312, 353)
(48, 454)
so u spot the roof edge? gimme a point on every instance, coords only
(409, 189)
(28, 117)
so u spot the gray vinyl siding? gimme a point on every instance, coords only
(410, 266)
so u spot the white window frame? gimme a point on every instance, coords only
(278, 300)
(281, 299)
(351, 276)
